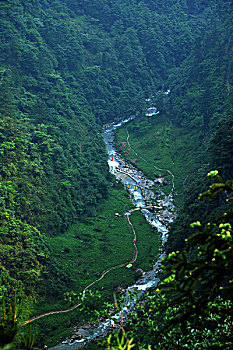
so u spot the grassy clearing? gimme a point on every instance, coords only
(164, 145)
(99, 242)
(93, 245)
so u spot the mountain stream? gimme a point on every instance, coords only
(141, 195)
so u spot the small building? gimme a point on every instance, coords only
(151, 112)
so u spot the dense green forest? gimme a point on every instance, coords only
(66, 69)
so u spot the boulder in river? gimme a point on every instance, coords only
(159, 180)
(85, 326)
(77, 336)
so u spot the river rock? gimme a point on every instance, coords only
(159, 180)
(78, 336)
(85, 326)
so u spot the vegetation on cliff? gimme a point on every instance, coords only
(67, 68)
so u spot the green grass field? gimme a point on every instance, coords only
(164, 145)
(103, 240)
(91, 246)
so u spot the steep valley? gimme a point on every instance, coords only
(67, 69)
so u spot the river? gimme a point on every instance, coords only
(140, 193)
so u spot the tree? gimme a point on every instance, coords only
(193, 307)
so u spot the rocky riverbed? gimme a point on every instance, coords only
(163, 207)
(160, 214)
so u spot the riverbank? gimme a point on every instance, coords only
(139, 189)
(157, 143)
(88, 248)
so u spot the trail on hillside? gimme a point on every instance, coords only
(155, 166)
(103, 274)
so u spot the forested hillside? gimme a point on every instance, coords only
(69, 67)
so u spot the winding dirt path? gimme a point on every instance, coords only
(135, 256)
(104, 273)
(155, 166)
